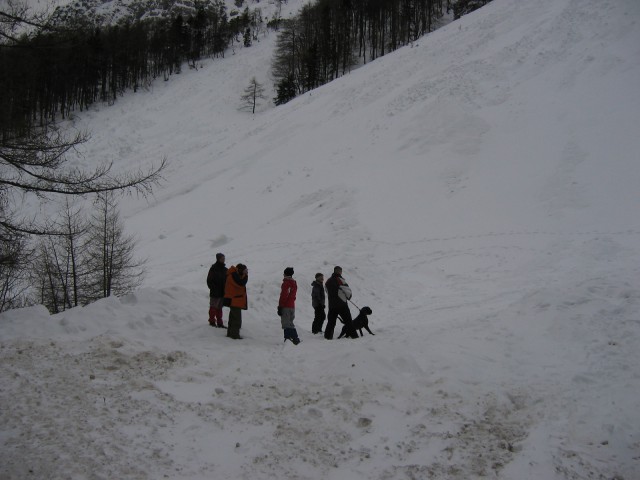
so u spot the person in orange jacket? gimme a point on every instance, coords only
(287, 306)
(235, 297)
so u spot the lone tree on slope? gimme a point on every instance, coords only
(252, 94)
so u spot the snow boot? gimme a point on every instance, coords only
(292, 335)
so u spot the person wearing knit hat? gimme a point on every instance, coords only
(287, 306)
(216, 279)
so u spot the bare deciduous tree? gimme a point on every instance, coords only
(88, 260)
(113, 268)
(37, 166)
(15, 257)
(252, 95)
(60, 261)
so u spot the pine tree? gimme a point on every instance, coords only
(286, 90)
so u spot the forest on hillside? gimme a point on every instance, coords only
(329, 37)
(60, 68)
(65, 66)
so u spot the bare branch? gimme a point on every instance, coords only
(35, 164)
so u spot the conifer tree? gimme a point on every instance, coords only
(285, 91)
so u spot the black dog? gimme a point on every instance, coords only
(360, 322)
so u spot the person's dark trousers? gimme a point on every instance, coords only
(318, 319)
(291, 334)
(235, 323)
(332, 316)
(345, 315)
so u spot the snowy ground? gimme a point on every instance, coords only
(480, 191)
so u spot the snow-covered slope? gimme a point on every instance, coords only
(479, 189)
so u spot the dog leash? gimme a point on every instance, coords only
(359, 309)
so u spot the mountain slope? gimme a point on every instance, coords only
(526, 101)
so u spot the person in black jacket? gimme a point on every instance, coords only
(338, 293)
(215, 281)
(318, 303)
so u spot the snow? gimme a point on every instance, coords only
(479, 189)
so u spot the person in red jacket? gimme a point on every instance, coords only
(287, 306)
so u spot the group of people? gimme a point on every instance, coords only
(338, 293)
(228, 288)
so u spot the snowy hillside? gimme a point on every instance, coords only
(480, 191)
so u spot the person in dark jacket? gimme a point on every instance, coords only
(287, 306)
(318, 303)
(338, 293)
(235, 297)
(215, 281)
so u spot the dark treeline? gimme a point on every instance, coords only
(48, 75)
(328, 37)
(462, 7)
